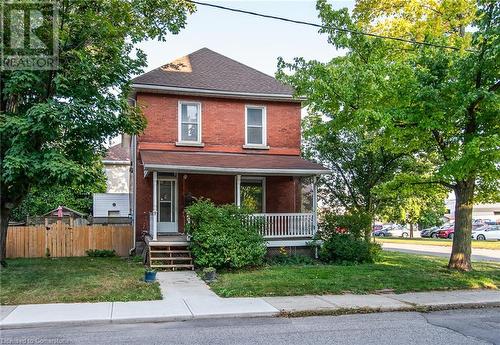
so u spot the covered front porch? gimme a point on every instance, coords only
(284, 199)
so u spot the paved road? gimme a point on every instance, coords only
(467, 327)
(477, 254)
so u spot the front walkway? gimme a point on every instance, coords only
(187, 297)
(478, 254)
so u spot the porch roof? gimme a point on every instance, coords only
(229, 163)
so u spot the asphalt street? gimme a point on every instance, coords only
(477, 326)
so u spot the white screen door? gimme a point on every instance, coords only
(167, 206)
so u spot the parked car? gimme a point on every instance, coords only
(446, 232)
(429, 231)
(384, 232)
(399, 231)
(487, 232)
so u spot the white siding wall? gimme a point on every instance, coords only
(104, 202)
(118, 177)
(480, 211)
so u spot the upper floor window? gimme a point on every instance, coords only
(255, 123)
(189, 122)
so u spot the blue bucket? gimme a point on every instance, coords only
(149, 277)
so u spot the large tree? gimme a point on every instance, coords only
(359, 166)
(54, 123)
(447, 109)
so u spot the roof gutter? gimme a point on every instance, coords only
(116, 162)
(215, 93)
(239, 171)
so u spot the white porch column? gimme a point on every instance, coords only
(238, 185)
(315, 205)
(155, 210)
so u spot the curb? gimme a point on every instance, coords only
(367, 310)
(135, 320)
(282, 313)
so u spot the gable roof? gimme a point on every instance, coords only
(117, 153)
(210, 72)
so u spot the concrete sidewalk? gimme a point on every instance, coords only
(187, 297)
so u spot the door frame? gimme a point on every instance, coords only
(176, 202)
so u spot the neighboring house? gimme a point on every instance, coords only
(220, 130)
(115, 203)
(485, 212)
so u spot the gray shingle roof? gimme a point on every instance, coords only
(207, 70)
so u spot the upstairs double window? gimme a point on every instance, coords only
(190, 122)
(255, 126)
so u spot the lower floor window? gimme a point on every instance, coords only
(252, 194)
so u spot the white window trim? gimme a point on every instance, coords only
(250, 179)
(264, 127)
(179, 124)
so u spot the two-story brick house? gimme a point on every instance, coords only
(221, 130)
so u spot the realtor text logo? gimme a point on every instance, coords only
(29, 35)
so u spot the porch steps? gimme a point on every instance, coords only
(173, 255)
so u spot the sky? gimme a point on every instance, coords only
(254, 41)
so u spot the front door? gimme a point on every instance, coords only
(167, 206)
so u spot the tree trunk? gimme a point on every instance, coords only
(460, 258)
(411, 230)
(368, 228)
(4, 225)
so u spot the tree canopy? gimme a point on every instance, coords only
(437, 107)
(54, 123)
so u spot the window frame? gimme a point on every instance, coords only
(261, 179)
(179, 122)
(264, 126)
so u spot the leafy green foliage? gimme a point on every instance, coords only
(101, 253)
(291, 259)
(345, 248)
(434, 112)
(42, 200)
(221, 237)
(355, 224)
(53, 124)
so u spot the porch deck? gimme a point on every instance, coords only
(278, 229)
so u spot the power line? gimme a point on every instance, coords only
(354, 32)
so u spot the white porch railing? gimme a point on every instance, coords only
(285, 225)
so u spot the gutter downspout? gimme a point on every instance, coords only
(133, 154)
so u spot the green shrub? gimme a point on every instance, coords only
(292, 259)
(345, 248)
(222, 238)
(356, 224)
(101, 253)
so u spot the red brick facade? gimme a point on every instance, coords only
(223, 124)
(223, 130)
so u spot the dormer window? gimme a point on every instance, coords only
(255, 127)
(189, 122)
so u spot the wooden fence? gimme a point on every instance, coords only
(60, 240)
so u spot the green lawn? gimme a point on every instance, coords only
(28, 281)
(439, 242)
(397, 271)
